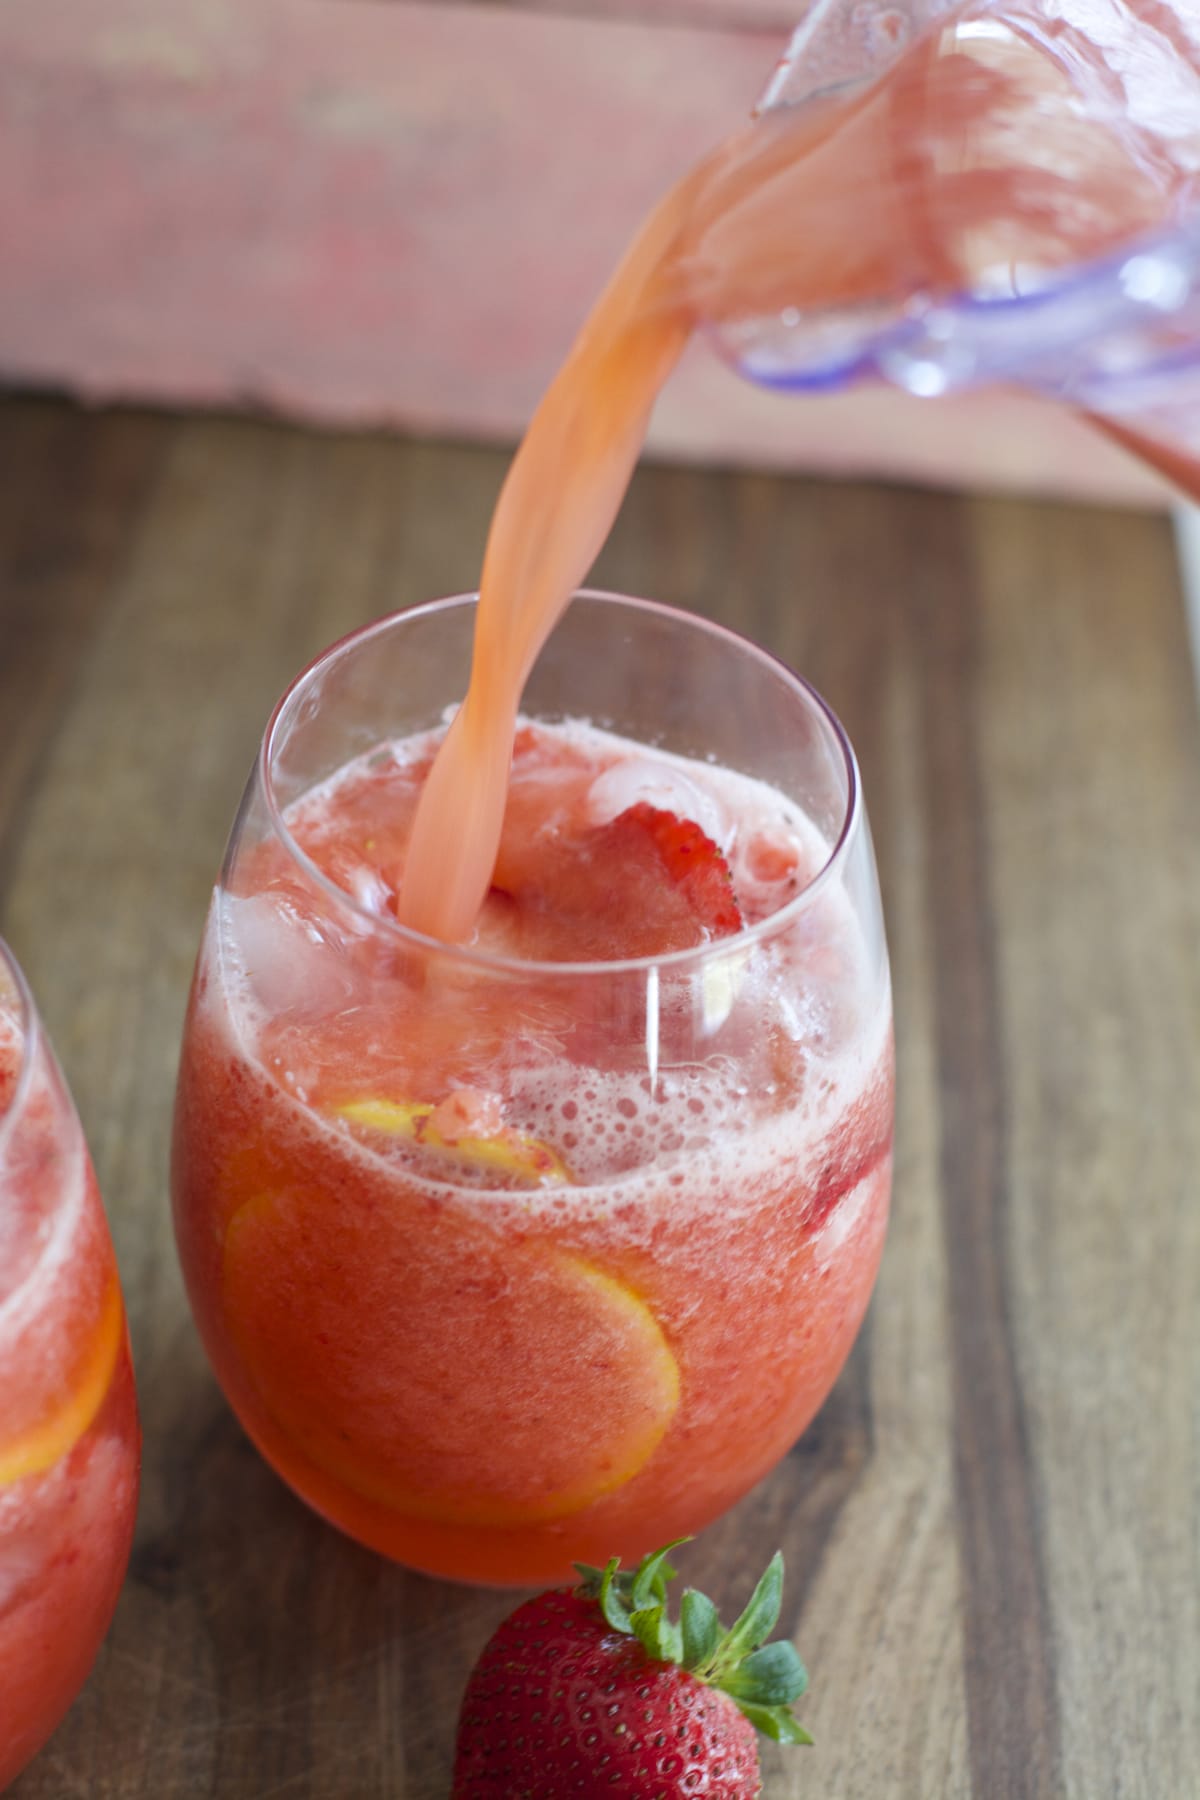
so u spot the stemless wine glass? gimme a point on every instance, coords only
(69, 1438)
(591, 1316)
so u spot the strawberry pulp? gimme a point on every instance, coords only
(490, 1289)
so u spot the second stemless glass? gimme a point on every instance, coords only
(69, 1438)
(488, 1372)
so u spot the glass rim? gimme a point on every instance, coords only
(29, 1027)
(486, 962)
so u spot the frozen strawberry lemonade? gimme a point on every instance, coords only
(552, 1245)
(69, 1442)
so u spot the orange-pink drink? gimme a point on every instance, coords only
(550, 1245)
(69, 1440)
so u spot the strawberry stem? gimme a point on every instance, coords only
(763, 1680)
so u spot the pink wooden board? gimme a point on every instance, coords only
(731, 15)
(396, 214)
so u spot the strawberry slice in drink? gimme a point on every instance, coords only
(644, 884)
(692, 862)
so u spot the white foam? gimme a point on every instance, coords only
(700, 1139)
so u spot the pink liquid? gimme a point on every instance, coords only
(69, 1437)
(997, 147)
(486, 1365)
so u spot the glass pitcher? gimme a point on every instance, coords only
(1097, 308)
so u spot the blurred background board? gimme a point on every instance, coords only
(991, 1527)
(381, 212)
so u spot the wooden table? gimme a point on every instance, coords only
(992, 1529)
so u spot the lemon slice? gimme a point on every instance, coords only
(508, 1152)
(437, 1369)
(69, 1415)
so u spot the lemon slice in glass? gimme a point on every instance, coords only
(68, 1413)
(436, 1365)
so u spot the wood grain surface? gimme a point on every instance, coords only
(992, 1528)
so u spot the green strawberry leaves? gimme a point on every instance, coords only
(772, 1676)
(657, 1635)
(629, 1595)
(651, 1577)
(775, 1722)
(701, 1627)
(762, 1611)
(764, 1680)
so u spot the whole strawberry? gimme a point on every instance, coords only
(594, 1691)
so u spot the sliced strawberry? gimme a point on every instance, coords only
(692, 861)
(644, 884)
